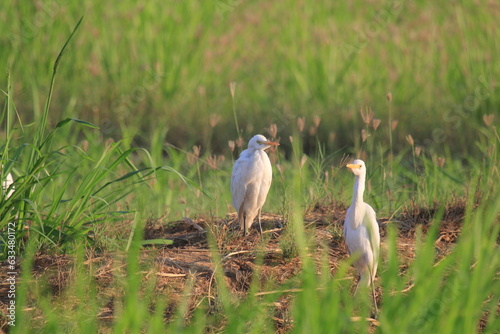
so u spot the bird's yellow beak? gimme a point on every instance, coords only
(271, 143)
(353, 166)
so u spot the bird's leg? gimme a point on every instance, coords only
(357, 285)
(245, 231)
(241, 219)
(374, 300)
(260, 226)
(373, 292)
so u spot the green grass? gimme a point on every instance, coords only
(137, 70)
(101, 140)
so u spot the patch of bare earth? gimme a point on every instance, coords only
(187, 268)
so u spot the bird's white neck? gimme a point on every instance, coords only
(359, 189)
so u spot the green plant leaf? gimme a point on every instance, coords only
(157, 242)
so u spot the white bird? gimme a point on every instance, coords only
(251, 180)
(361, 231)
(6, 184)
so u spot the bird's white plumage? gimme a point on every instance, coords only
(361, 230)
(250, 181)
(362, 241)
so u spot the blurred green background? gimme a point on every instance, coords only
(160, 70)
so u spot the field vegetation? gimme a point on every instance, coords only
(121, 123)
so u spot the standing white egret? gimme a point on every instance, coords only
(361, 230)
(251, 180)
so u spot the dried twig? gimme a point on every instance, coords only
(392, 293)
(276, 291)
(273, 230)
(191, 250)
(209, 295)
(234, 253)
(192, 223)
(187, 266)
(170, 275)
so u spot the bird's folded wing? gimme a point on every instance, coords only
(241, 177)
(373, 230)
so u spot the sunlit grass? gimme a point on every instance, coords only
(174, 61)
